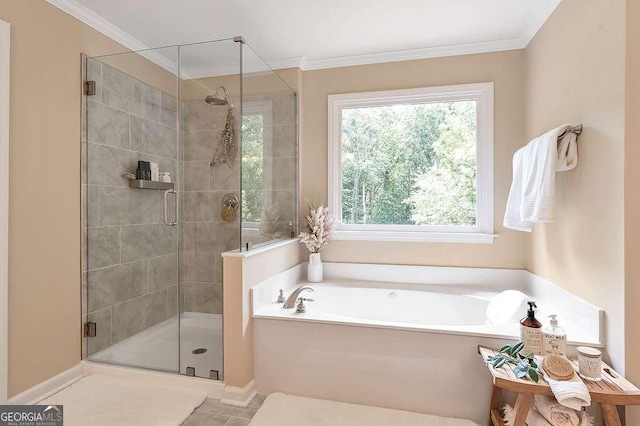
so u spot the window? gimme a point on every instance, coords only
(252, 166)
(256, 165)
(413, 165)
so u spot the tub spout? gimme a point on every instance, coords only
(291, 300)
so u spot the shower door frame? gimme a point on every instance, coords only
(5, 48)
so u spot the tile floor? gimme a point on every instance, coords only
(213, 413)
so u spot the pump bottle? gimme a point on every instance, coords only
(554, 338)
(531, 332)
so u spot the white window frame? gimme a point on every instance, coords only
(482, 93)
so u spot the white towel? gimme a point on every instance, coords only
(547, 412)
(534, 175)
(571, 393)
(559, 415)
(507, 307)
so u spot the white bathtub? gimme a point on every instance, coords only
(369, 339)
(393, 305)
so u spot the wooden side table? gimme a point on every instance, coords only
(611, 391)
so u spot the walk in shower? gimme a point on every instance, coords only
(221, 126)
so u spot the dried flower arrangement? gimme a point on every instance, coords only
(320, 226)
(227, 149)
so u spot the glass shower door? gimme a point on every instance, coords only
(209, 221)
(131, 262)
(222, 125)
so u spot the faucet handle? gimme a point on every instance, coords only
(301, 308)
(281, 298)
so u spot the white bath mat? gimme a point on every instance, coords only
(99, 400)
(287, 410)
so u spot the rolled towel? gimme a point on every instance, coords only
(555, 411)
(559, 415)
(571, 393)
(534, 418)
(507, 307)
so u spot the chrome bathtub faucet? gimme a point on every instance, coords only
(301, 308)
(291, 300)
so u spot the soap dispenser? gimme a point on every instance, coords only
(531, 332)
(554, 338)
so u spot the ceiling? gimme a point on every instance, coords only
(322, 34)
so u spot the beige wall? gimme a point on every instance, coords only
(574, 70)
(632, 203)
(505, 69)
(44, 231)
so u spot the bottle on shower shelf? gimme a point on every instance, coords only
(140, 170)
(154, 171)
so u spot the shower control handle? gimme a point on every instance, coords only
(166, 208)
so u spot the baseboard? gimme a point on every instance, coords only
(48, 387)
(240, 396)
(212, 388)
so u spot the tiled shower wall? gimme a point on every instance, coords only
(131, 256)
(206, 235)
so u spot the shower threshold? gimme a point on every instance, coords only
(157, 347)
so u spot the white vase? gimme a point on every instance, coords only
(314, 268)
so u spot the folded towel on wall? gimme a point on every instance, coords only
(531, 198)
(571, 393)
(507, 307)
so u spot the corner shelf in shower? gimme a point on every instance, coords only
(150, 184)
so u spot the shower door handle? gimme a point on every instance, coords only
(166, 208)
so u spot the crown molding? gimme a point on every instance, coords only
(280, 64)
(411, 55)
(247, 67)
(95, 21)
(100, 24)
(538, 21)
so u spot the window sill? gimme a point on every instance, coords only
(429, 237)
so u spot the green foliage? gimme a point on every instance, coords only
(524, 366)
(252, 166)
(410, 164)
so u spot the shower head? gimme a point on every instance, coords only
(221, 97)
